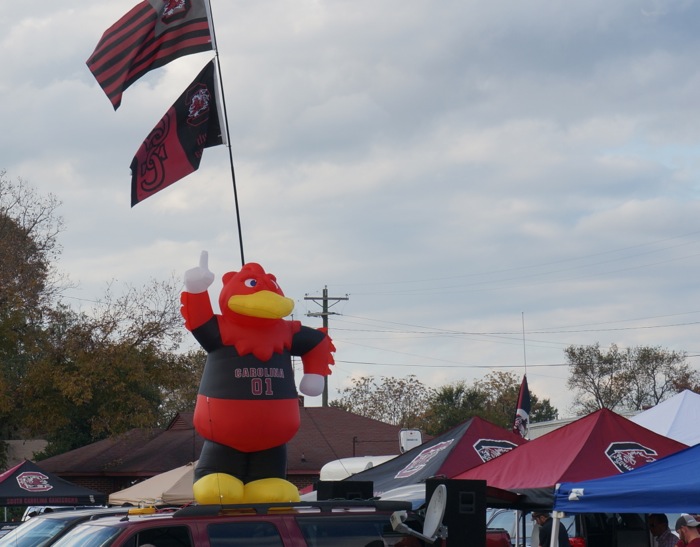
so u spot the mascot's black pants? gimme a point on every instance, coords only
(246, 466)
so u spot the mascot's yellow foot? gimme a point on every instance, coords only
(270, 491)
(218, 488)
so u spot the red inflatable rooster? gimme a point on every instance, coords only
(247, 405)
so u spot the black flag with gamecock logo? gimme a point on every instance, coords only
(174, 148)
(521, 424)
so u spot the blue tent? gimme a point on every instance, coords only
(668, 485)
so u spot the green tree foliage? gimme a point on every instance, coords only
(407, 402)
(630, 379)
(77, 377)
(105, 373)
(501, 390)
(185, 371)
(29, 228)
(542, 410)
(452, 404)
(397, 401)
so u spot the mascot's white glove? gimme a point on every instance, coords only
(198, 280)
(312, 385)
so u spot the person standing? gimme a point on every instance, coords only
(658, 526)
(687, 529)
(545, 522)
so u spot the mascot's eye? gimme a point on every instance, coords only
(250, 282)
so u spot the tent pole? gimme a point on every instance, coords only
(554, 537)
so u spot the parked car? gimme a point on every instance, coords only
(7, 527)
(36, 510)
(585, 529)
(506, 518)
(318, 524)
(45, 529)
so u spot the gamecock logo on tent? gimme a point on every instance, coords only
(489, 449)
(629, 455)
(422, 459)
(33, 481)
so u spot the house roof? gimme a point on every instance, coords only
(329, 433)
(325, 434)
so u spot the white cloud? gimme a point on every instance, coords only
(450, 169)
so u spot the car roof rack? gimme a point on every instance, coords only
(326, 506)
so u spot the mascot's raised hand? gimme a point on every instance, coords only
(199, 279)
(247, 405)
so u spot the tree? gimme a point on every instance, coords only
(397, 401)
(408, 403)
(452, 404)
(72, 377)
(633, 379)
(599, 378)
(181, 395)
(29, 229)
(654, 375)
(493, 398)
(542, 411)
(114, 370)
(501, 389)
(29, 226)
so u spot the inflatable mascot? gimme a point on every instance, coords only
(247, 406)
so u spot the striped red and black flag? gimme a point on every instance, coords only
(174, 148)
(151, 35)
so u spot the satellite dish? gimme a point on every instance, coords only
(432, 526)
(435, 511)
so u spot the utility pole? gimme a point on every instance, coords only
(324, 314)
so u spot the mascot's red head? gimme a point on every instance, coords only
(254, 293)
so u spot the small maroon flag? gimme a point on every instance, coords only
(174, 148)
(521, 424)
(149, 36)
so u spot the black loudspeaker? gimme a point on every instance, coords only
(465, 514)
(345, 490)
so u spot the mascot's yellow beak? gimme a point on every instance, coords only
(264, 304)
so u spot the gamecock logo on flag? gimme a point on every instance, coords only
(629, 455)
(198, 100)
(174, 10)
(33, 481)
(422, 459)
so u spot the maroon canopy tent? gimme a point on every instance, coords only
(598, 445)
(28, 484)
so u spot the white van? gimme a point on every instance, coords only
(337, 470)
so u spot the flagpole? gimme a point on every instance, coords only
(228, 135)
(520, 515)
(524, 353)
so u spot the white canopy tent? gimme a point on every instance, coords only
(173, 487)
(676, 418)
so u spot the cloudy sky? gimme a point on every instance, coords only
(487, 182)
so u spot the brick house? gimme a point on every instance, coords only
(326, 434)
